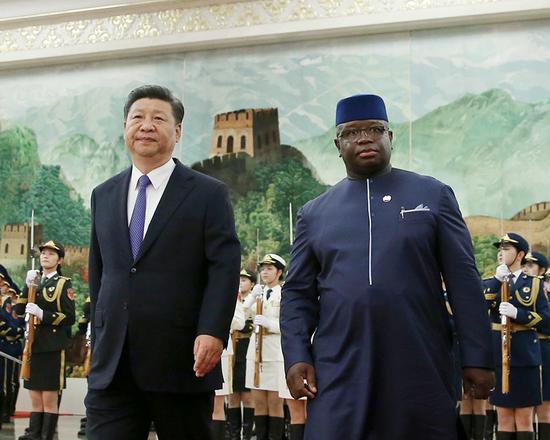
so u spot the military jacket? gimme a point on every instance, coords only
(55, 297)
(11, 330)
(527, 295)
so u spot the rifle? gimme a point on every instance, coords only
(88, 359)
(29, 319)
(259, 332)
(506, 339)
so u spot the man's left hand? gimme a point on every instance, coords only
(207, 351)
(478, 382)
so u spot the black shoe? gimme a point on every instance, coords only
(34, 431)
(49, 424)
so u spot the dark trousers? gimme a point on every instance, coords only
(124, 412)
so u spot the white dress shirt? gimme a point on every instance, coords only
(159, 179)
(516, 275)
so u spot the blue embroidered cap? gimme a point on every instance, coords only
(515, 240)
(360, 107)
(538, 258)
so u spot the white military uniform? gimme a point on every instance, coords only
(237, 323)
(272, 371)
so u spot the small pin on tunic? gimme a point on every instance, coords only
(386, 198)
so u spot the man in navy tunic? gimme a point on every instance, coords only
(365, 331)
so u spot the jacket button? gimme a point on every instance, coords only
(125, 306)
(133, 270)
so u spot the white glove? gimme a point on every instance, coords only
(263, 321)
(502, 272)
(31, 275)
(257, 291)
(508, 309)
(33, 309)
(251, 298)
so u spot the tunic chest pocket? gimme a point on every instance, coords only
(412, 217)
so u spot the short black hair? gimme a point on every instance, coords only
(155, 92)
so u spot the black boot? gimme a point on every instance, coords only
(501, 435)
(261, 423)
(522, 435)
(490, 424)
(248, 422)
(49, 423)
(218, 429)
(297, 431)
(544, 431)
(467, 422)
(35, 427)
(234, 423)
(276, 428)
(478, 427)
(6, 406)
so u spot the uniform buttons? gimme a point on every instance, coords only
(133, 270)
(54, 330)
(125, 306)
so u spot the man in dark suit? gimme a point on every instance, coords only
(365, 282)
(164, 269)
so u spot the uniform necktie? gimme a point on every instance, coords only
(137, 222)
(268, 293)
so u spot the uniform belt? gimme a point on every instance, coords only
(241, 335)
(543, 337)
(513, 328)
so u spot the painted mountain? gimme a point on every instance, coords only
(470, 144)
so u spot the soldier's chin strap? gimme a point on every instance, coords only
(11, 358)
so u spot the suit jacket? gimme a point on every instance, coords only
(182, 283)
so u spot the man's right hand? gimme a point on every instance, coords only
(301, 380)
(31, 276)
(502, 272)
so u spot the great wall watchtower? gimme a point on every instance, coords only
(16, 242)
(245, 131)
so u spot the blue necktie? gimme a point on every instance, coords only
(137, 222)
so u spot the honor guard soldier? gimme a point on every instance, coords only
(526, 307)
(536, 265)
(54, 312)
(264, 359)
(219, 421)
(241, 394)
(10, 343)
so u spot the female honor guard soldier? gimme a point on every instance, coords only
(268, 406)
(218, 414)
(54, 310)
(536, 265)
(526, 307)
(242, 394)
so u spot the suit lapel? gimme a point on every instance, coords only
(120, 195)
(179, 185)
